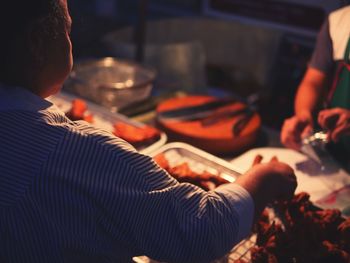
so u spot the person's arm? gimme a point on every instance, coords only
(310, 94)
(137, 205)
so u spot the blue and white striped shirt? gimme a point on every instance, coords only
(72, 193)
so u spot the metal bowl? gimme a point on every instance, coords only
(110, 82)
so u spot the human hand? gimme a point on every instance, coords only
(268, 182)
(293, 130)
(277, 179)
(336, 121)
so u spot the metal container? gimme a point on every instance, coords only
(199, 161)
(111, 82)
(104, 119)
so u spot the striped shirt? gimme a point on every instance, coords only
(72, 193)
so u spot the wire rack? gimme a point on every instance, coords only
(242, 250)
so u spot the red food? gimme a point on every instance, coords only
(309, 234)
(137, 136)
(78, 111)
(184, 174)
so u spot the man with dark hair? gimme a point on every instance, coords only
(72, 193)
(34, 31)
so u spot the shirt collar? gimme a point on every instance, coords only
(16, 98)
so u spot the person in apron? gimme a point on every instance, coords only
(323, 97)
(336, 118)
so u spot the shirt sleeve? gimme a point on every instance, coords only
(179, 222)
(243, 206)
(322, 57)
(141, 207)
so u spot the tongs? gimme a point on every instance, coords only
(245, 114)
(197, 112)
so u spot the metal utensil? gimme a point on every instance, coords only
(242, 122)
(111, 82)
(314, 146)
(223, 115)
(195, 112)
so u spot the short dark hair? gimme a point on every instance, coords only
(16, 16)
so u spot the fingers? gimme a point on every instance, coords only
(274, 159)
(257, 160)
(328, 118)
(292, 131)
(337, 121)
(307, 131)
(340, 130)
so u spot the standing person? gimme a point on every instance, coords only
(73, 193)
(323, 97)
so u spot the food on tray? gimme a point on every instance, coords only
(137, 136)
(303, 234)
(78, 111)
(183, 173)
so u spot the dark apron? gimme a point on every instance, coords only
(339, 96)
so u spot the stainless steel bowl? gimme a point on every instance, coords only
(110, 82)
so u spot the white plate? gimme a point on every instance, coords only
(313, 178)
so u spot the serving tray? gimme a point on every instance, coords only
(104, 119)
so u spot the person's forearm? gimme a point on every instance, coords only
(310, 94)
(307, 101)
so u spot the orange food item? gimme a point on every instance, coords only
(78, 111)
(137, 136)
(183, 173)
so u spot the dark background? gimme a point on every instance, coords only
(297, 23)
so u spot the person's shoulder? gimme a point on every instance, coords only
(81, 132)
(340, 13)
(98, 135)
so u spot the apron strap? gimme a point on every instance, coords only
(347, 53)
(342, 65)
(345, 64)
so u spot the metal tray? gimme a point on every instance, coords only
(199, 161)
(104, 119)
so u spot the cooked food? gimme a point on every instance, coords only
(183, 173)
(136, 136)
(78, 111)
(305, 234)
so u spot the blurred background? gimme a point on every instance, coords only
(255, 49)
